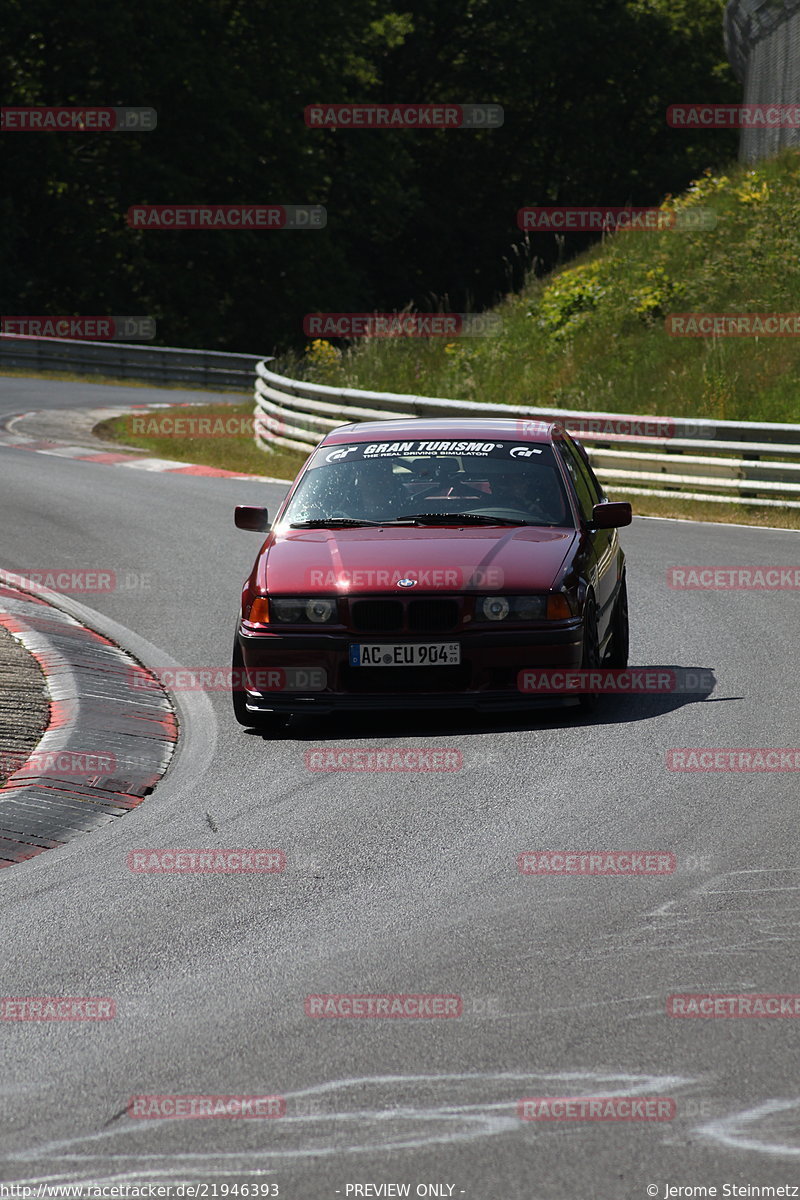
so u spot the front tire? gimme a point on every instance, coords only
(620, 639)
(590, 657)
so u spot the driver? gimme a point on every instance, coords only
(536, 493)
(527, 489)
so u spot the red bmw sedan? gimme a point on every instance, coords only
(426, 563)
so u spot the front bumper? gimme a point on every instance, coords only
(486, 678)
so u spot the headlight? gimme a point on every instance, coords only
(515, 608)
(529, 608)
(302, 611)
(320, 611)
(494, 608)
(290, 611)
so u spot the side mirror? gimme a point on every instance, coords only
(611, 516)
(248, 516)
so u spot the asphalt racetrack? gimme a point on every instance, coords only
(407, 883)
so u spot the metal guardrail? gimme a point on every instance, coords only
(122, 360)
(724, 461)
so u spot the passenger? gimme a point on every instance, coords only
(375, 492)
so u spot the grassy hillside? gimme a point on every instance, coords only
(591, 335)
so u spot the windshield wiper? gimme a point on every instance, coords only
(331, 522)
(455, 519)
(411, 519)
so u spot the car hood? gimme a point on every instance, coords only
(323, 561)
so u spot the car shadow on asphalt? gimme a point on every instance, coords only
(610, 709)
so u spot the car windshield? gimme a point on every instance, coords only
(427, 481)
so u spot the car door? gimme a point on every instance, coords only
(604, 542)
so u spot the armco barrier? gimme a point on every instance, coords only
(122, 360)
(724, 461)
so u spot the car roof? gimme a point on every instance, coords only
(419, 428)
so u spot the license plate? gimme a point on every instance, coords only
(407, 654)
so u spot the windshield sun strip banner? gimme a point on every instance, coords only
(424, 448)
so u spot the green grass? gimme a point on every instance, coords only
(592, 335)
(237, 452)
(708, 510)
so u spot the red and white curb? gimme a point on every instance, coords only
(111, 735)
(13, 434)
